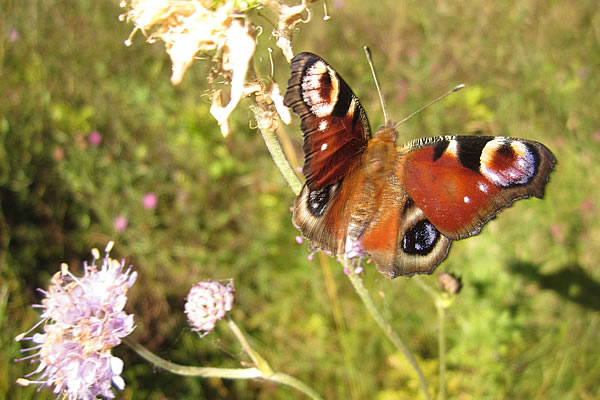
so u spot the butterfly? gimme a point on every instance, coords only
(401, 206)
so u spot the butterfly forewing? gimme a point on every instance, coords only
(335, 126)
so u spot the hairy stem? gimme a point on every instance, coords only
(225, 373)
(279, 158)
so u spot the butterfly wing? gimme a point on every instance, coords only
(400, 239)
(461, 182)
(448, 188)
(335, 126)
(336, 133)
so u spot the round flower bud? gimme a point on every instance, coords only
(208, 302)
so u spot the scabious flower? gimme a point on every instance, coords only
(82, 319)
(208, 302)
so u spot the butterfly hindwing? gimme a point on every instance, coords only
(399, 237)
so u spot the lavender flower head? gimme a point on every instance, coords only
(82, 319)
(208, 302)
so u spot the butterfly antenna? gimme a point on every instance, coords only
(381, 99)
(455, 89)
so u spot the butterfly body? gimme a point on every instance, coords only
(402, 206)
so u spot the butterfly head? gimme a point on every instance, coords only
(389, 130)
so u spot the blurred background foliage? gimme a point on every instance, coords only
(88, 127)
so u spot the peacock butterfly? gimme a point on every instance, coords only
(401, 206)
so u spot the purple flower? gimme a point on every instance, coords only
(83, 319)
(208, 302)
(150, 201)
(120, 223)
(94, 138)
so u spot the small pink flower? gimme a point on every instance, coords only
(13, 35)
(299, 239)
(557, 232)
(597, 136)
(120, 223)
(94, 138)
(150, 201)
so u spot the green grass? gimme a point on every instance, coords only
(525, 324)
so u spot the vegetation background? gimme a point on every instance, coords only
(526, 323)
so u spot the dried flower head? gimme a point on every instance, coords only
(289, 17)
(221, 29)
(82, 319)
(208, 302)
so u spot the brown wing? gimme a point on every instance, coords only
(335, 126)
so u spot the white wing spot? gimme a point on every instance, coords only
(452, 148)
(323, 125)
(483, 187)
(324, 147)
(467, 200)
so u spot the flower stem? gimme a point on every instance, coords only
(276, 151)
(441, 304)
(225, 373)
(387, 329)
(260, 362)
(442, 349)
(206, 372)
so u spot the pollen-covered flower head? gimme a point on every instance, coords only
(82, 319)
(208, 302)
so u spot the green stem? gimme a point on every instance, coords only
(274, 147)
(387, 329)
(295, 383)
(441, 303)
(258, 360)
(225, 373)
(442, 349)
